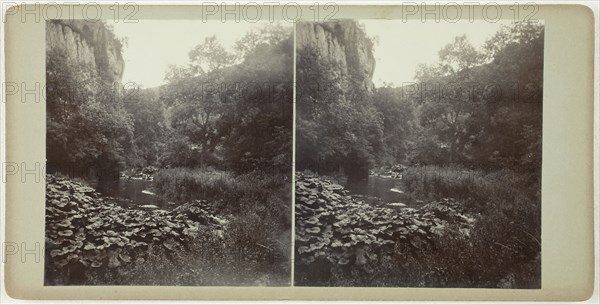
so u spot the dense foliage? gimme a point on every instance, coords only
(232, 109)
(346, 237)
(465, 136)
(219, 132)
(227, 109)
(476, 107)
(487, 108)
(87, 124)
(93, 241)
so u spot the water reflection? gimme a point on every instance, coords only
(130, 193)
(378, 190)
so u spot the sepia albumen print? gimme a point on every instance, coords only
(418, 154)
(168, 153)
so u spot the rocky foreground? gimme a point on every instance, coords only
(84, 230)
(333, 226)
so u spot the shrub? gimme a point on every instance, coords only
(208, 261)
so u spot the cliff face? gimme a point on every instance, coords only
(337, 124)
(88, 42)
(343, 42)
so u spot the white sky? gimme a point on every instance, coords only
(404, 45)
(155, 44)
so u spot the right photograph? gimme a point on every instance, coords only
(419, 154)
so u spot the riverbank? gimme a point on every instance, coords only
(338, 235)
(389, 171)
(341, 240)
(146, 173)
(90, 240)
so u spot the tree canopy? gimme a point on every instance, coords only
(474, 106)
(224, 108)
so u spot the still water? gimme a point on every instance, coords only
(378, 190)
(130, 193)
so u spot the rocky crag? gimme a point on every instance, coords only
(335, 66)
(89, 43)
(343, 42)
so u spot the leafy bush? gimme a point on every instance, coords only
(219, 264)
(86, 124)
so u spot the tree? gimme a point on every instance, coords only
(87, 125)
(486, 106)
(514, 118)
(398, 124)
(256, 126)
(149, 122)
(233, 109)
(447, 108)
(192, 93)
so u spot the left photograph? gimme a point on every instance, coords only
(169, 153)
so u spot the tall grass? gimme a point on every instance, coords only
(185, 184)
(505, 246)
(477, 188)
(258, 203)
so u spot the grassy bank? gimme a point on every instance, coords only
(499, 247)
(258, 203)
(90, 240)
(474, 186)
(504, 249)
(264, 193)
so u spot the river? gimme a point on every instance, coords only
(135, 193)
(130, 193)
(378, 190)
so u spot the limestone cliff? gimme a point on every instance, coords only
(88, 42)
(343, 42)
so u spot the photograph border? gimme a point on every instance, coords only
(567, 184)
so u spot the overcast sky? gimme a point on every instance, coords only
(404, 45)
(153, 45)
